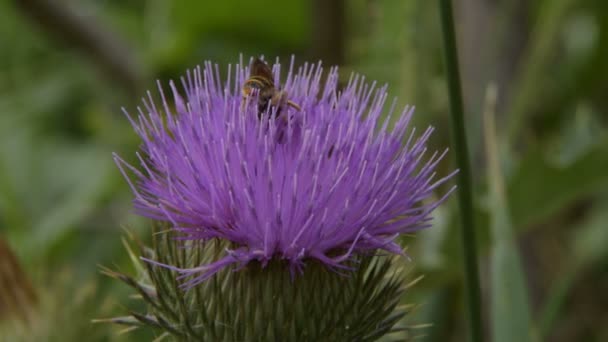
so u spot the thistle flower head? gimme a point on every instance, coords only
(326, 182)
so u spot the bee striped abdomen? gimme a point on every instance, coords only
(256, 82)
(261, 80)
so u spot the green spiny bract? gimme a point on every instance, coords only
(266, 304)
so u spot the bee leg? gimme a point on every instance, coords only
(263, 105)
(294, 105)
(330, 152)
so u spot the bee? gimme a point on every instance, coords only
(261, 80)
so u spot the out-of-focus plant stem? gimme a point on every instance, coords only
(105, 48)
(545, 35)
(465, 191)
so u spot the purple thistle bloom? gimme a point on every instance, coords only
(326, 183)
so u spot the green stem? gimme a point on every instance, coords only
(465, 196)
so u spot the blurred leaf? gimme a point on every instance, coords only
(580, 35)
(219, 31)
(591, 237)
(257, 20)
(436, 310)
(391, 50)
(54, 185)
(63, 314)
(429, 242)
(579, 132)
(510, 310)
(534, 68)
(539, 188)
(590, 241)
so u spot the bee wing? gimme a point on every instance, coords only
(261, 69)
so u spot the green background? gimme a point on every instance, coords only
(543, 255)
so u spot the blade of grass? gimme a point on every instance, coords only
(510, 310)
(465, 191)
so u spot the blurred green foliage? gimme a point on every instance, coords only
(63, 203)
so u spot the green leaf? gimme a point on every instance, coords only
(532, 79)
(51, 186)
(510, 310)
(589, 245)
(555, 186)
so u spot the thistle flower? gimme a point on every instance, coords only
(298, 198)
(326, 183)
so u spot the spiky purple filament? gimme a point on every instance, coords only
(338, 181)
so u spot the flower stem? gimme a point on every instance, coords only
(465, 197)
